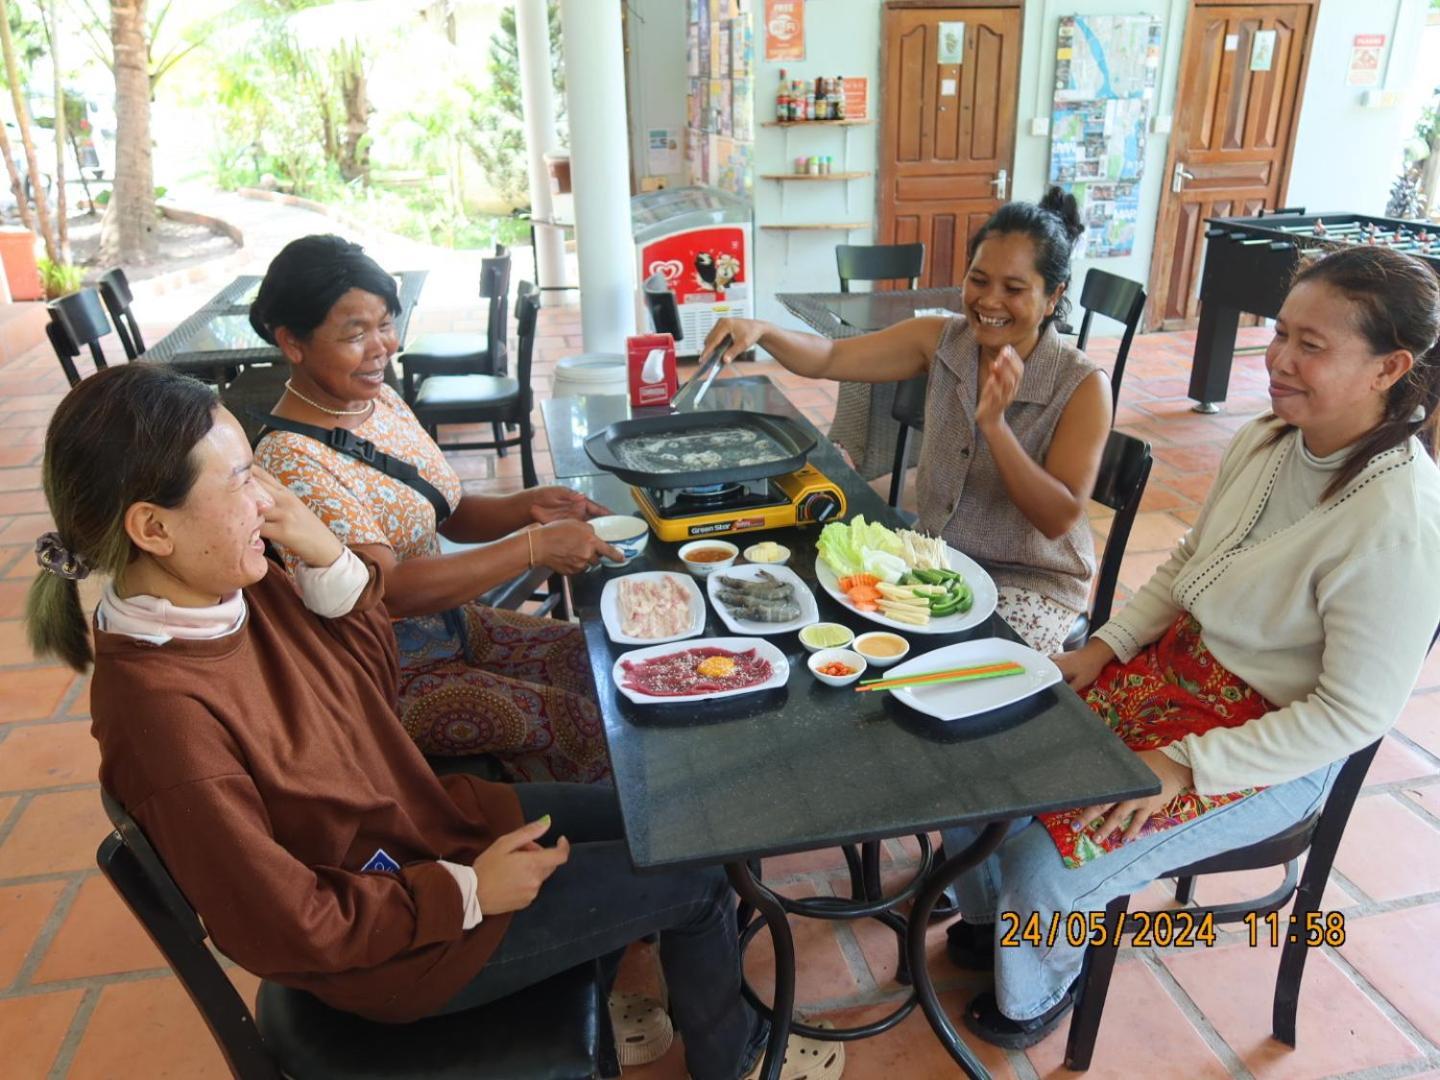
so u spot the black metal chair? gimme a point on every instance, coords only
(499, 399)
(879, 262)
(77, 320)
(1319, 834)
(1117, 298)
(1120, 485)
(908, 410)
(115, 291)
(664, 311)
(555, 1030)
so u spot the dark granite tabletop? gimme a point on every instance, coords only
(810, 766)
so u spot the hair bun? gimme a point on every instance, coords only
(1063, 205)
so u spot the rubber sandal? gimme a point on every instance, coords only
(808, 1059)
(971, 946)
(984, 1018)
(643, 1031)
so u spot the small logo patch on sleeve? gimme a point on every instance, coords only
(380, 863)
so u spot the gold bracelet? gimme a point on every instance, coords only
(530, 542)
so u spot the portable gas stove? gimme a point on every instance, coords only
(805, 496)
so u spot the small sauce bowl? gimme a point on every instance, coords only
(852, 660)
(703, 566)
(881, 648)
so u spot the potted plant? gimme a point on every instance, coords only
(59, 279)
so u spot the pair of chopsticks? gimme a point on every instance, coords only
(950, 675)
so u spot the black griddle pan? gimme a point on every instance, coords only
(793, 440)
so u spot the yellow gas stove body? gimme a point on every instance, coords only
(804, 497)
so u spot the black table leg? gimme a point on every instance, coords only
(983, 847)
(764, 901)
(1214, 350)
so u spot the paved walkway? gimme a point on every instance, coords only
(84, 994)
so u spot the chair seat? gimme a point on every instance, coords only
(457, 347)
(549, 1031)
(459, 391)
(1078, 635)
(1279, 849)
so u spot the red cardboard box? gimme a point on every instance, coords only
(651, 363)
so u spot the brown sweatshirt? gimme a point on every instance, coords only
(268, 768)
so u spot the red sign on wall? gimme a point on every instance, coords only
(856, 91)
(784, 29)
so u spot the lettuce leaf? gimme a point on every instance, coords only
(844, 547)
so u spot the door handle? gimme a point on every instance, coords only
(1001, 183)
(1177, 181)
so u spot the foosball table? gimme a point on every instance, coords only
(1249, 263)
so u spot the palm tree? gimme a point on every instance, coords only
(22, 116)
(127, 233)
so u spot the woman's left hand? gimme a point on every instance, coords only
(293, 525)
(1001, 383)
(1132, 814)
(555, 503)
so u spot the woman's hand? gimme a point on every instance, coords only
(1132, 814)
(744, 335)
(509, 873)
(292, 525)
(570, 547)
(1083, 666)
(998, 391)
(555, 503)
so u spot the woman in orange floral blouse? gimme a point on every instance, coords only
(474, 679)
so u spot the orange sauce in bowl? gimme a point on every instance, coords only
(881, 645)
(710, 554)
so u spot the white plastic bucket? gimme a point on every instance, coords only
(591, 374)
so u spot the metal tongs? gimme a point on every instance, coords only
(700, 382)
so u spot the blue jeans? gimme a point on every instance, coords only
(596, 904)
(1026, 874)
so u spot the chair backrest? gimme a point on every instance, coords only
(1120, 485)
(132, 866)
(909, 406)
(65, 350)
(879, 262)
(664, 312)
(81, 318)
(115, 291)
(495, 287)
(527, 313)
(1117, 298)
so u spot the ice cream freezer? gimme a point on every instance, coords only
(699, 240)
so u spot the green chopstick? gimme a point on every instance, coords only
(900, 684)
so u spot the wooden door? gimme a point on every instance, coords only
(948, 131)
(1231, 142)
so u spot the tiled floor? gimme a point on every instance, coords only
(83, 993)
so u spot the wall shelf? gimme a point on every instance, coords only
(833, 226)
(819, 176)
(815, 123)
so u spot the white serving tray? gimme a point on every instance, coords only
(610, 608)
(954, 701)
(979, 581)
(804, 599)
(779, 673)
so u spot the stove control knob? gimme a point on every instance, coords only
(819, 507)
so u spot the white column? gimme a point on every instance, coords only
(600, 171)
(537, 99)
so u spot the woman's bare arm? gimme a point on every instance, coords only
(894, 354)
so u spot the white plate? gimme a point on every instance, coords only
(951, 701)
(804, 599)
(979, 581)
(610, 608)
(779, 674)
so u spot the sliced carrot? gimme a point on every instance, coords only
(846, 583)
(864, 594)
(865, 579)
(866, 605)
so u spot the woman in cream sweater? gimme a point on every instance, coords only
(1284, 633)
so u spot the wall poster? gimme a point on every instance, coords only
(784, 30)
(719, 114)
(1105, 73)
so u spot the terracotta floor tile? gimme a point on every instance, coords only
(26, 478)
(33, 694)
(11, 456)
(23, 502)
(1155, 532)
(879, 944)
(823, 974)
(1338, 1029)
(24, 528)
(1427, 797)
(1396, 762)
(910, 1050)
(23, 911)
(1380, 829)
(99, 937)
(1159, 496)
(150, 1029)
(1193, 486)
(14, 649)
(1399, 953)
(1202, 458)
(1253, 884)
(1144, 1034)
(1430, 673)
(1136, 567)
(48, 755)
(1420, 720)
(807, 862)
(12, 598)
(32, 1029)
(57, 832)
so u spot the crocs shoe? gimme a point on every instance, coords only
(642, 1028)
(808, 1059)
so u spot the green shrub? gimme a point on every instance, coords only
(59, 279)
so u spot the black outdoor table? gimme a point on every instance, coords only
(863, 424)
(809, 766)
(219, 336)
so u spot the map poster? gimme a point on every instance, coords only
(1105, 74)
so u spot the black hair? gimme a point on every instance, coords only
(1053, 226)
(306, 279)
(1396, 298)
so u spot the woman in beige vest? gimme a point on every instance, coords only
(1015, 420)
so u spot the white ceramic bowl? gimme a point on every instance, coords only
(781, 561)
(700, 569)
(880, 661)
(847, 657)
(849, 637)
(628, 534)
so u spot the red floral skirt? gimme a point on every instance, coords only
(1171, 689)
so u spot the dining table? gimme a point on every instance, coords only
(863, 424)
(218, 338)
(804, 766)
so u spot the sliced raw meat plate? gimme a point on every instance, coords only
(680, 672)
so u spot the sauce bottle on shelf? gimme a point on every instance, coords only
(782, 99)
(840, 97)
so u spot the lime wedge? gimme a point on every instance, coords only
(825, 635)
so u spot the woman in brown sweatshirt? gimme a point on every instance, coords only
(251, 731)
